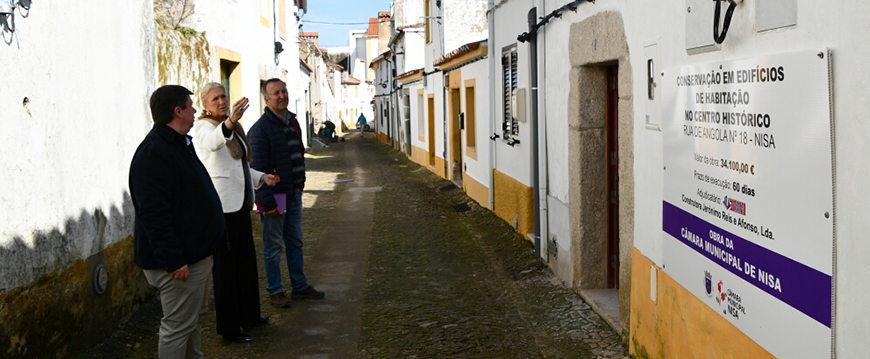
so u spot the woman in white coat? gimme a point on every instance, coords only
(224, 150)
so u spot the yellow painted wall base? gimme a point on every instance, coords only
(382, 137)
(60, 315)
(679, 325)
(439, 167)
(476, 190)
(419, 156)
(513, 199)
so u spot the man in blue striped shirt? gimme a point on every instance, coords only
(276, 140)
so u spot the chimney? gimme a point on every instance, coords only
(384, 31)
(313, 37)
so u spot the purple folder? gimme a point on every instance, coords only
(280, 198)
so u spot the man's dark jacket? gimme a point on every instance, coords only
(179, 219)
(273, 153)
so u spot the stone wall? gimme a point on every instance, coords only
(84, 112)
(184, 59)
(75, 96)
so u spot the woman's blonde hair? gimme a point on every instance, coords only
(204, 92)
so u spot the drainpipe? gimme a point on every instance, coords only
(393, 137)
(545, 156)
(310, 112)
(444, 84)
(533, 69)
(492, 86)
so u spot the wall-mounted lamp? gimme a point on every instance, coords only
(7, 11)
(524, 37)
(7, 15)
(279, 48)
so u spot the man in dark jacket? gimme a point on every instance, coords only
(277, 145)
(179, 221)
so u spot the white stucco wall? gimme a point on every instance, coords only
(303, 103)
(372, 46)
(68, 150)
(464, 22)
(555, 88)
(358, 51)
(407, 12)
(480, 168)
(416, 106)
(236, 26)
(415, 43)
(513, 161)
(434, 83)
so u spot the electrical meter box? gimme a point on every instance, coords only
(699, 26)
(518, 105)
(775, 14)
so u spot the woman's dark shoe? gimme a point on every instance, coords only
(239, 337)
(260, 321)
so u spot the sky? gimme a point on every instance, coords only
(357, 12)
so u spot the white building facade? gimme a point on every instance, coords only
(247, 53)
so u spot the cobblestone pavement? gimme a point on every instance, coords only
(440, 283)
(443, 283)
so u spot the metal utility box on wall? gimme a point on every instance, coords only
(653, 93)
(699, 27)
(518, 105)
(774, 14)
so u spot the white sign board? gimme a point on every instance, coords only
(748, 195)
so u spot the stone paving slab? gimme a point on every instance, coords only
(329, 328)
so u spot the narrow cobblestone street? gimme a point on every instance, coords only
(439, 280)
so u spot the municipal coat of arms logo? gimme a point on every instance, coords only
(708, 283)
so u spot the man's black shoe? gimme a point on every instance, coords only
(239, 337)
(307, 293)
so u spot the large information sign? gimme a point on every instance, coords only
(748, 195)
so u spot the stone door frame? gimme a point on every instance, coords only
(595, 43)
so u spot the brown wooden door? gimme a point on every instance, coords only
(455, 135)
(612, 178)
(431, 136)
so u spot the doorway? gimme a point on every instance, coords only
(600, 146)
(612, 135)
(385, 108)
(455, 137)
(431, 118)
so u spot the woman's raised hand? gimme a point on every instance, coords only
(238, 110)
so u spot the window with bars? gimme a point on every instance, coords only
(510, 125)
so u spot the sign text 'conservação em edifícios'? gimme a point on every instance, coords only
(748, 195)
